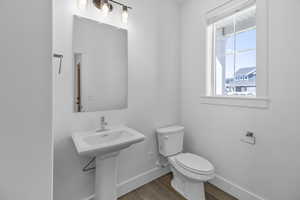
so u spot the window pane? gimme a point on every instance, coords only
(245, 81)
(226, 69)
(245, 70)
(229, 75)
(219, 78)
(230, 45)
(246, 59)
(235, 54)
(246, 40)
(224, 52)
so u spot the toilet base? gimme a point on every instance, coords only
(188, 188)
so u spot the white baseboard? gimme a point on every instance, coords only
(89, 198)
(137, 181)
(148, 176)
(140, 180)
(233, 189)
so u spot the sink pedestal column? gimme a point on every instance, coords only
(106, 177)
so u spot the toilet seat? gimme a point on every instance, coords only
(194, 163)
(193, 174)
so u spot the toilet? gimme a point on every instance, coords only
(190, 171)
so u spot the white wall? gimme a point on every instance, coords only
(269, 169)
(153, 91)
(25, 100)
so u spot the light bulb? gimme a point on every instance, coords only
(105, 8)
(81, 4)
(125, 15)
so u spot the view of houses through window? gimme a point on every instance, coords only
(235, 54)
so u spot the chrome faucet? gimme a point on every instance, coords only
(103, 125)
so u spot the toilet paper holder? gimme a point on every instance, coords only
(249, 138)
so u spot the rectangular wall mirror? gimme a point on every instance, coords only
(100, 66)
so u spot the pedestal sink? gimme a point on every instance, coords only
(106, 146)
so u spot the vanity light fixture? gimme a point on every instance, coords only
(106, 6)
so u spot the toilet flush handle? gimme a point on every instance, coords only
(166, 137)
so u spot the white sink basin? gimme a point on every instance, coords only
(94, 143)
(105, 146)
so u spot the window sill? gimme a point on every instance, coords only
(247, 102)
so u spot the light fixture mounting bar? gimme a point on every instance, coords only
(98, 3)
(121, 4)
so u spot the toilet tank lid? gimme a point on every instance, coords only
(170, 129)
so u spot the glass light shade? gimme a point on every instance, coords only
(125, 15)
(81, 4)
(105, 9)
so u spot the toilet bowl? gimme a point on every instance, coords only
(190, 171)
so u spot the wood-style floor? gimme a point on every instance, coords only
(161, 189)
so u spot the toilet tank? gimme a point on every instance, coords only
(170, 140)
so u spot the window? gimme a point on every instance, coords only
(233, 53)
(237, 43)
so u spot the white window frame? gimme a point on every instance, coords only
(261, 100)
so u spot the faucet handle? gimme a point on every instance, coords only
(102, 119)
(103, 122)
(103, 125)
